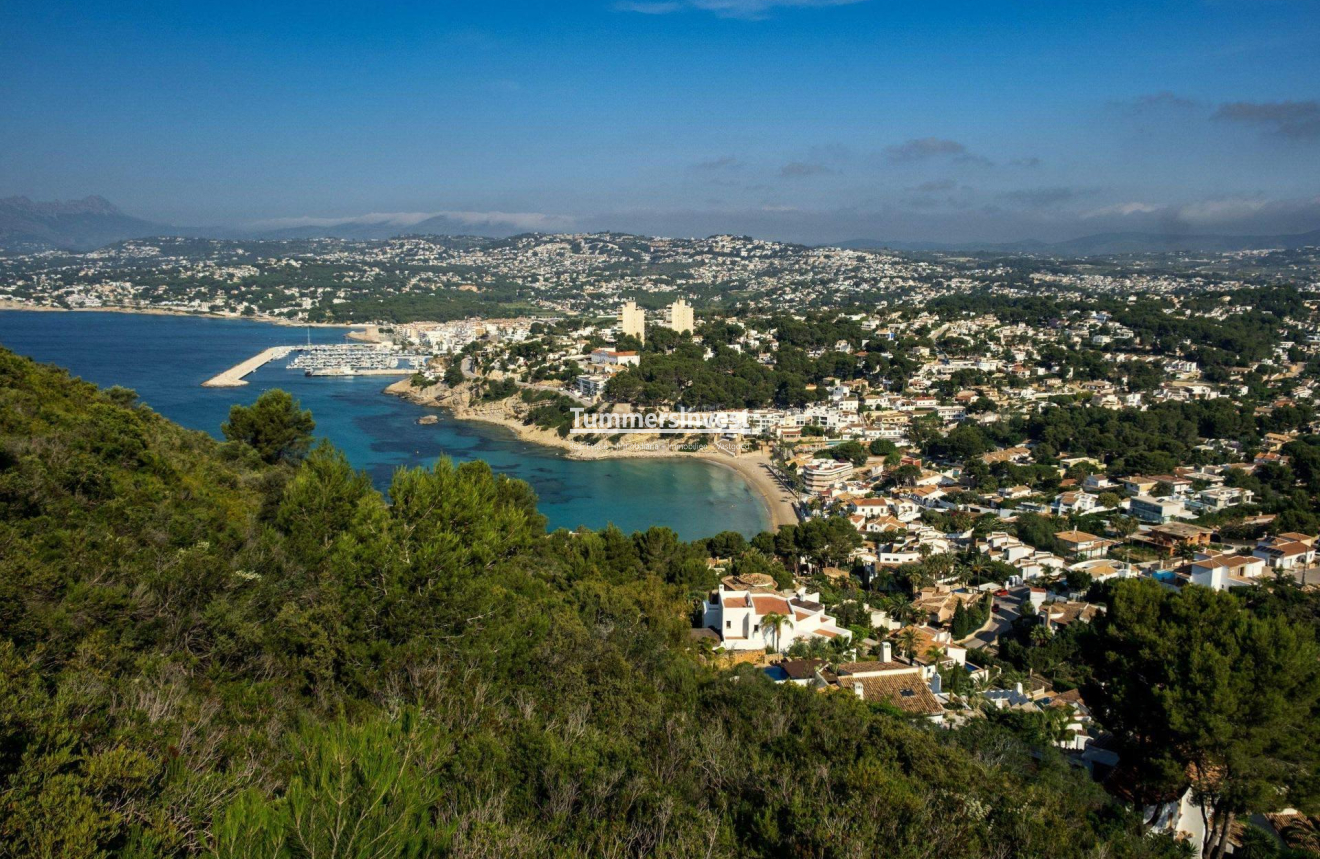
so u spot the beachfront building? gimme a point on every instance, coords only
(822, 474)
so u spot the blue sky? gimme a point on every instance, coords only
(809, 120)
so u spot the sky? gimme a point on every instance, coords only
(801, 120)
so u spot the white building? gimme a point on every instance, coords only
(737, 612)
(824, 473)
(1224, 571)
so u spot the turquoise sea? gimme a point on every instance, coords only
(165, 359)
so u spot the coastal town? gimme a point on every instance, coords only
(448, 278)
(957, 485)
(660, 429)
(960, 459)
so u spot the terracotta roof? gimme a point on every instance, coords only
(907, 692)
(770, 605)
(1076, 537)
(874, 666)
(1230, 561)
(800, 669)
(1070, 698)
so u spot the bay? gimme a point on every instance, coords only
(165, 358)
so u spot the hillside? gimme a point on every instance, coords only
(77, 225)
(205, 654)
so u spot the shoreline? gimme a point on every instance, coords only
(753, 468)
(170, 311)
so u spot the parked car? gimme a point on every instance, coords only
(1002, 592)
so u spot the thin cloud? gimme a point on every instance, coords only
(1156, 102)
(1122, 210)
(1042, 198)
(750, 10)
(712, 165)
(648, 8)
(795, 169)
(934, 186)
(930, 148)
(1293, 120)
(1238, 215)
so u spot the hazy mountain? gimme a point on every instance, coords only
(93, 222)
(439, 225)
(1106, 244)
(77, 225)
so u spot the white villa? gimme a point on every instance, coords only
(737, 612)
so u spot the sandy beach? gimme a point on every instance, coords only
(754, 468)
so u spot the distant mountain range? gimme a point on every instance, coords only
(77, 225)
(93, 222)
(1104, 244)
(439, 225)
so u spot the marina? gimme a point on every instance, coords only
(333, 359)
(356, 359)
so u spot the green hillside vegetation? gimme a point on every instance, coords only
(210, 651)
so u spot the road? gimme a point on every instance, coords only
(1009, 609)
(1308, 576)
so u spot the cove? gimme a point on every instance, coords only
(165, 358)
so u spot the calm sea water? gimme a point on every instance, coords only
(165, 359)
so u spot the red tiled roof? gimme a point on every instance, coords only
(770, 605)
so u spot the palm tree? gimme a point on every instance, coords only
(776, 622)
(979, 564)
(908, 639)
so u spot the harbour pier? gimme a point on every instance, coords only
(234, 376)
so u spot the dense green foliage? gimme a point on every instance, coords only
(274, 426)
(203, 653)
(674, 370)
(1198, 688)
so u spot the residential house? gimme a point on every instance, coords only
(1170, 537)
(1080, 544)
(897, 684)
(1222, 571)
(1156, 510)
(799, 672)
(1223, 497)
(1285, 553)
(1066, 612)
(1066, 503)
(1137, 485)
(737, 612)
